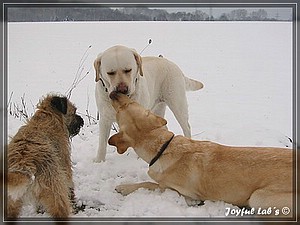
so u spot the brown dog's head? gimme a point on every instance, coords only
(119, 68)
(134, 122)
(62, 106)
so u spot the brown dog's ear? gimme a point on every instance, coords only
(97, 64)
(138, 60)
(120, 142)
(60, 104)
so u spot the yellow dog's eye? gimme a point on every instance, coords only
(127, 70)
(111, 73)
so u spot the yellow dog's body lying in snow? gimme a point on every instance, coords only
(258, 177)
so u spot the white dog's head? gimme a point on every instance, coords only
(119, 67)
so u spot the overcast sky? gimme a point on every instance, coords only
(283, 13)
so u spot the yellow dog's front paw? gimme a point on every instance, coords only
(125, 189)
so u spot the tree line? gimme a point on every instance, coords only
(52, 14)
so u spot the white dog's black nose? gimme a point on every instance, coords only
(122, 88)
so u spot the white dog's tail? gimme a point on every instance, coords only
(192, 85)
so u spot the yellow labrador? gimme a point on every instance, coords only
(259, 177)
(154, 82)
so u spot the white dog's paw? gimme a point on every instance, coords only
(125, 189)
(98, 160)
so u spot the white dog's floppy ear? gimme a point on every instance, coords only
(138, 60)
(97, 64)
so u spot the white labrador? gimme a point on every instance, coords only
(154, 82)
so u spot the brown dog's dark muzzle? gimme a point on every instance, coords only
(75, 126)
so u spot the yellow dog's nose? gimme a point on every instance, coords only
(114, 95)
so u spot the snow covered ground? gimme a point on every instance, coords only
(246, 68)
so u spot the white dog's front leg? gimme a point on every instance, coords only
(104, 131)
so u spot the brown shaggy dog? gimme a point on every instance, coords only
(39, 164)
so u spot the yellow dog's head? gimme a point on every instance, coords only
(134, 121)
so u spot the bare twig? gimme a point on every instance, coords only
(10, 97)
(88, 115)
(78, 76)
(18, 110)
(115, 127)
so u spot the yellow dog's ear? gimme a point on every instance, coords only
(161, 121)
(154, 120)
(97, 64)
(119, 140)
(138, 60)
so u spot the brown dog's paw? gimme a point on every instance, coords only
(125, 189)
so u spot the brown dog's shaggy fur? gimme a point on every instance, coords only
(39, 164)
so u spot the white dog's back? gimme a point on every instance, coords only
(167, 71)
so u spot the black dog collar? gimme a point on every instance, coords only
(161, 151)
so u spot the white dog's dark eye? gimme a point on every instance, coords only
(127, 70)
(111, 73)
